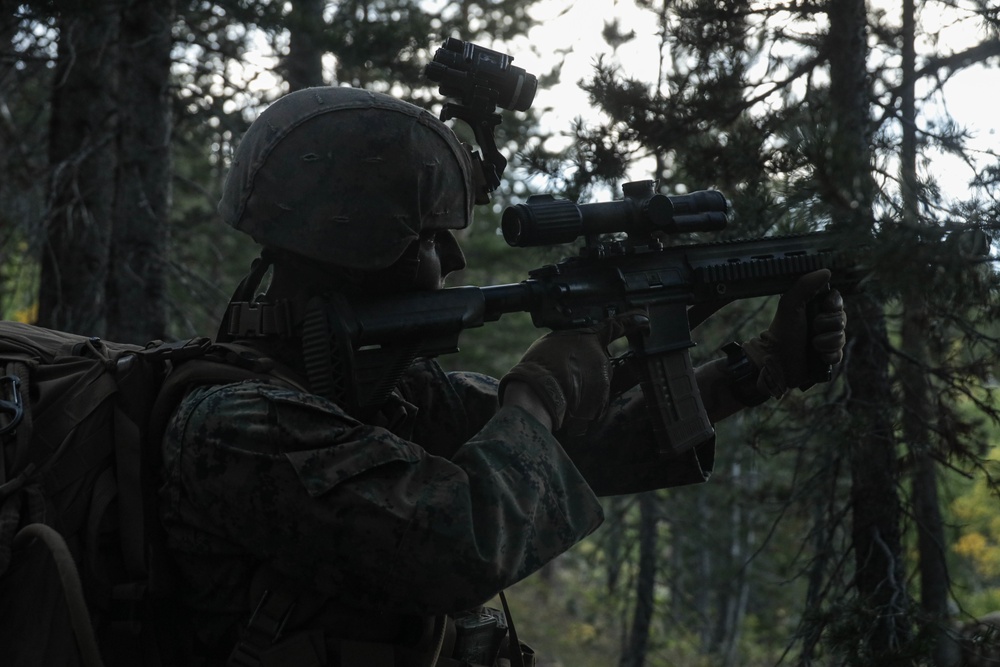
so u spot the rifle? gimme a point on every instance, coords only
(358, 349)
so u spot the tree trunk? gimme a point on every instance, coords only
(634, 654)
(879, 572)
(616, 507)
(880, 576)
(734, 596)
(824, 506)
(705, 568)
(304, 63)
(934, 578)
(136, 284)
(82, 167)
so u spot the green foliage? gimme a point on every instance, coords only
(850, 625)
(761, 555)
(557, 613)
(25, 78)
(971, 504)
(217, 93)
(736, 110)
(19, 281)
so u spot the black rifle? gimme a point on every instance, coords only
(365, 345)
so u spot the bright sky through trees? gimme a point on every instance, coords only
(572, 30)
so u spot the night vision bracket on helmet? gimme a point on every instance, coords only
(481, 80)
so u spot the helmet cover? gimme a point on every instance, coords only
(347, 176)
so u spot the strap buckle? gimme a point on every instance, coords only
(260, 319)
(13, 407)
(264, 629)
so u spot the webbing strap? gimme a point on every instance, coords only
(79, 615)
(105, 491)
(10, 519)
(259, 644)
(516, 650)
(515, 646)
(131, 509)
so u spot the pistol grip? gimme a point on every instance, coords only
(817, 370)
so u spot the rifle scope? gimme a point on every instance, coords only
(545, 220)
(467, 71)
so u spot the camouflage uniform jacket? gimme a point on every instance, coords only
(446, 502)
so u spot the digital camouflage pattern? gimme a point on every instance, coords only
(436, 513)
(444, 504)
(347, 176)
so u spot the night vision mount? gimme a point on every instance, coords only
(481, 80)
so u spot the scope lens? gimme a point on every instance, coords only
(519, 90)
(541, 220)
(510, 225)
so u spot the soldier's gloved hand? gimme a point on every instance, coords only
(570, 371)
(781, 352)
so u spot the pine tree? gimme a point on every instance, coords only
(122, 253)
(811, 140)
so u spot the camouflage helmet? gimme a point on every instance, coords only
(347, 176)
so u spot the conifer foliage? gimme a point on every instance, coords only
(842, 526)
(806, 116)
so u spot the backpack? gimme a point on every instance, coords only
(83, 573)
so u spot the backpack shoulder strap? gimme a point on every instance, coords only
(222, 363)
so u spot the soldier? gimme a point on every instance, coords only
(352, 539)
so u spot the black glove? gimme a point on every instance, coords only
(571, 370)
(781, 352)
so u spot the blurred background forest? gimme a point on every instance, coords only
(856, 524)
